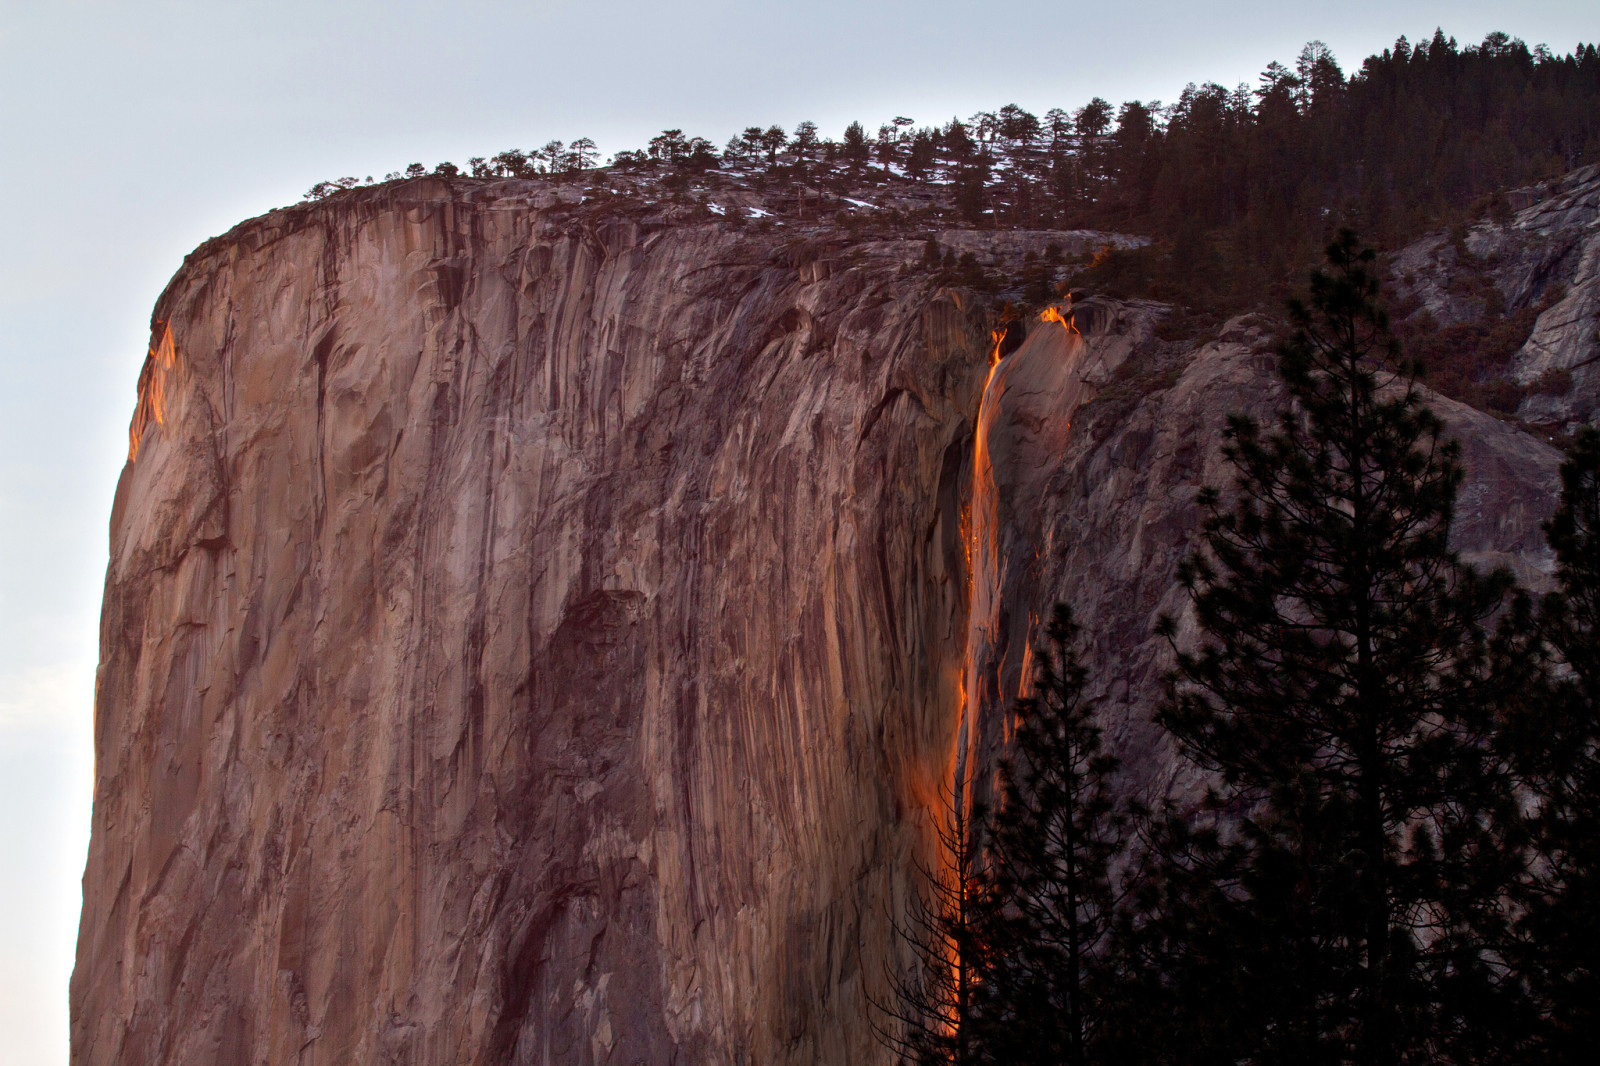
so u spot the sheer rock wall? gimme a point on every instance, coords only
(1545, 254)
(538, 637)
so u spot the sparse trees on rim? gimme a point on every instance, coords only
(669, 146)
(748, 146)
(922, 155)
(854, 147)
(512, 163)
(1249, 177)
(772, 142)
(1018, 126)
(552, 157)
(583, 153)
(806, 143)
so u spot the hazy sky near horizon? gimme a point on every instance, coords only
(129, 133)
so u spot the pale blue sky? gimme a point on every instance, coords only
(130, 132)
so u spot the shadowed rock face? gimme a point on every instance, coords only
(1545, 255)
(1100, 513)
(538, 638)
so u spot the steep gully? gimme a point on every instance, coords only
(533, 637)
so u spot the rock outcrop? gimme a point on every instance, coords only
(1097, 508)
(533, 636)
(1544, 256)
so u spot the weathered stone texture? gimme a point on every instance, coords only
(532, 637)
(1546, 254)
(520, 645)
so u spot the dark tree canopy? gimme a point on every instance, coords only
(1057, 832)
(1559, 941)
(1344, 694)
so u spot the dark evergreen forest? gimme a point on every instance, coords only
(1240, 188)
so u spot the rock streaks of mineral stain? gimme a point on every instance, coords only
(537, 637)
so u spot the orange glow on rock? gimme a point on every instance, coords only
(978, 535)
(159, 366)
(1065, 317)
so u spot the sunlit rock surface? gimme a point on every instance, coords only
(538, 637)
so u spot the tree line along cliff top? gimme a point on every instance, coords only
(1239, 188)
(1222, 199)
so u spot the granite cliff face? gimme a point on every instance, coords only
(1544, 256)
(533, 636)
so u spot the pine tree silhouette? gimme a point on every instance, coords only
(930, 1018)
(1058, 830)
(1559, 949)
(1338, 900)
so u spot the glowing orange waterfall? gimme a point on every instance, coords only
(1066, 318)
(979, 680)
(983, 573)
(984, 565)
